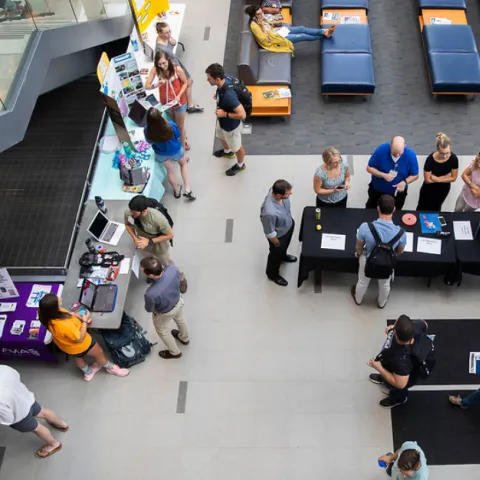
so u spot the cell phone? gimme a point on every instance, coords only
(340, 187)
(442, 221)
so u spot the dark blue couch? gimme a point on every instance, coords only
(342, 4)
(452, 58)
(443, 4)
(347, 62)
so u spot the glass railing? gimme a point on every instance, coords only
(20, 19)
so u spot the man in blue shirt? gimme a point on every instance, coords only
(386, 230)
(230, 114)
(393, 167)
(407, 462)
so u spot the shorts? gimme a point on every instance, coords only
(81, 355)
(181, 109)
(29, 423)
(233, 139)
(175, 158)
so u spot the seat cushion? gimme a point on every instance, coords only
(248, 56)
(348, 73)
(449, 38)
(274, 68)
(332, 4)
(439, 4)
(454, 72)
(348, 39)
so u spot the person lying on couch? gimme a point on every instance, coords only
(271, 7)
(267, 38)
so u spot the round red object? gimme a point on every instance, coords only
(409, 219)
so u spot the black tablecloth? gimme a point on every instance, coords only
(468, 252)
(346, 221)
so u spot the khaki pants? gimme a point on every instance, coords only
(364, 282)
(165, 259)
(162, 323)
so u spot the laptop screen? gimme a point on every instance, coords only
(88, 293)
(98, 225)
(138, 113)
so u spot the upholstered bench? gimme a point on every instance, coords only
(452, 58)
(347, 62)
(443, 4)
(341, 4)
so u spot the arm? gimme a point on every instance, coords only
(172, 41)
(359, 246)
(268, 223)
(271, 11)
(150, 79)
(260, 33)
(347, 179)
(83, 329)
(164, 237)
(450, 178)
(467, 176)
(388, 459)
(238, 113)
(401, 245)
(397, 381)
(399, 250)
(183, 79)
(317, 187)
(149, 304)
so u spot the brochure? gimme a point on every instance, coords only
(350, 19)
(277, 93)
(430, 223)
(330, 16)
(282, 31)
(440, 21)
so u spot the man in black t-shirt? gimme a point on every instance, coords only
(396, 366)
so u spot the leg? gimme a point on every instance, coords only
(307, 31)
(373, 197)
(400, 198)
(234, 140)
(189, 93)
(45, 435)
(288, 237)
(275, 258)
(166, 259)
(172, 178)
(52, 418)
(179, 319)
(302, 37)
(240, 153)
(179, 119)
(472, 399)
(460, 204)
(383, 292)
(398, 394)
(99, 355)
(184, 172)
(162, 323)
(363, 281)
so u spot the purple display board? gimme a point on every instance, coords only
(21, 346)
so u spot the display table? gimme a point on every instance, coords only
(20, 346)
(261, 107)
(361, 13)
(456, 17)
(468, 251)
(71, 293)
(346, 221)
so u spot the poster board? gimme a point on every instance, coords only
(7, 287)
(145, 12)
(128, 72)
(102, 67)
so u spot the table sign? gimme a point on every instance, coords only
(410, 240)
(333, 242)
(462, 230)
(429, 245)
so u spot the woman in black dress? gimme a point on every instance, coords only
(440, 170)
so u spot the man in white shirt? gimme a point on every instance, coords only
(20, 410)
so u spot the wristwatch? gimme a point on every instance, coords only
(150, 242)
(226, 115)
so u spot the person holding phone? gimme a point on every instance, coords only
(331, 181)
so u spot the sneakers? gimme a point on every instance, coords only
(222, 153)
(93, 370)
(176, 334)
(456, 400)
(119, 372)
(375, 378)
(190, 196)
(234, 170)
(353, 292)
(390, 403)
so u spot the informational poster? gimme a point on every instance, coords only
(145, 11)
(7, 287)
(126, 68)
(102, 67)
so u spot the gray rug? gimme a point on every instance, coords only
(402, 104)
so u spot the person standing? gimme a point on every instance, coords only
(331, 181)
(408, 461)
(230, 114)
(439, 172)
(19, 410)
(278, 226)
(164, 302)
(393, 167)
(151, 233)
(469, 198)
(389, 234)
(469, 401)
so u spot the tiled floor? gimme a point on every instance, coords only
(277, 384)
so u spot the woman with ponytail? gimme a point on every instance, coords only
(469, 198)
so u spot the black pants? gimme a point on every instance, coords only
(340, 204)
(277, 255)
(374, 197)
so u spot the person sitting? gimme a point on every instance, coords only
(332, 180)
(469, 198)
(266, 36)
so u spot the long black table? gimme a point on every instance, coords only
(346, 221)
(468, 252)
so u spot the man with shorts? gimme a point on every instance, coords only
(230, 114)
(20, 410)
(151, 233)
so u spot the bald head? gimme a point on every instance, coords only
(397, 147)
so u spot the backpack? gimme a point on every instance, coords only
(423, 352)
(243, 94)
(381, 261)
(152, 203)
(127, 345)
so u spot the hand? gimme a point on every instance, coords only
(374, 364)
(221, 113)
(388, 177)
(386, 458)
(214, 96)
(433, 179)
(177, 99)
(172, 41)
(142, 243)
(400, 187)
(347, 185)
(388, 329)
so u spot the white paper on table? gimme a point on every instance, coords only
(410, 240)
(80, 282)
(7, 287)
(429, 245)
(332, 241)
(440, 21)
(462, 230)
(282, 31)
(136, 264)
(37, 293)
(125, 266)
(350, 19)
(472, 364)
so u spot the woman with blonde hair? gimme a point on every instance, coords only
(469, 198)
(439, 171)
(332, 180)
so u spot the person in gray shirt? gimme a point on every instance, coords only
(278, 227)
(164, 302)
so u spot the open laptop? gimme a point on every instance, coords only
(98, 298)
(139, 109)
(104, 230)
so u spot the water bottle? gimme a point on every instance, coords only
(101, 204)
(382, 463)
(90, 245)
(134, 43)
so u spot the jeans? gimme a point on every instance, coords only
(304, 34)
(472, 399)
(277, 255)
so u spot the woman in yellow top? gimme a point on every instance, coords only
(69, 331)
(266, 36)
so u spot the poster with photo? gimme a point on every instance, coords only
(7, 287)
(128, 73)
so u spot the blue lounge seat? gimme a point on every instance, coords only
(347, 62)
(343, 4)
(452, 58)
(443, 4)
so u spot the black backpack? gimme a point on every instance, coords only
(423, 352)
(243, 94)
(152, 203)
(381, 261)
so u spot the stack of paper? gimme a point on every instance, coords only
(462, 230)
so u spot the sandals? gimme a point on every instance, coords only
(176, 333)
(190, 196)
(38, 453)
(61, 429)
(179, 193)
(195, 109)
(167, 355)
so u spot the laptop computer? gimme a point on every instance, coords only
(148, 51)
(139, 109)
(104, 230)
(98, 298)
